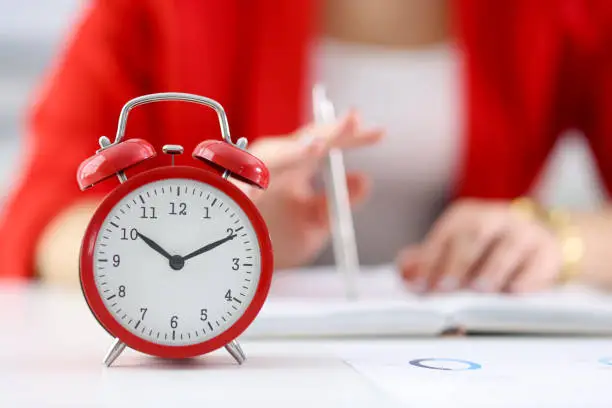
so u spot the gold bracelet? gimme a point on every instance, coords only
(572, 245)
(559, 221)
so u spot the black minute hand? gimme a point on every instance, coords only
(208, 247)
(154, 245)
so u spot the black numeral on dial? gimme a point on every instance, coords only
(148, 212)
(116, 260)
(174, 322)
(121, 291)
(178, 209)
(235, 265)
(204, 315)
(228, 295)
(143, 310)
(133, 234)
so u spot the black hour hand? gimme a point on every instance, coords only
(154, 245)
(210, 246)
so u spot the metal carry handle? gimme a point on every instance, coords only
(172, 96)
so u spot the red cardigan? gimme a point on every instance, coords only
(532, 69)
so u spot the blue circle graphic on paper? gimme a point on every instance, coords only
(465, 365)
(606, 360)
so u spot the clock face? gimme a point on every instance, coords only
(176, 262)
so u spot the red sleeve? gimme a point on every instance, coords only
(102, 67)
(591, 30)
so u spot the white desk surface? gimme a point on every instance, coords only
(51, 350)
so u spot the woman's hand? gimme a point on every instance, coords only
(484, 246)
(295, 212)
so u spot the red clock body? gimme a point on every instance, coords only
(176, 262)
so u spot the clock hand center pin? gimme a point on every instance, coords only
(177, 262)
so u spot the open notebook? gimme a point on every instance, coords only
(310, 303)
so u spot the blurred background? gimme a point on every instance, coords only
(33, 31)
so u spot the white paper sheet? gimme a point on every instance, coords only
(509, 373)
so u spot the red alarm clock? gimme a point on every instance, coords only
(176, 261)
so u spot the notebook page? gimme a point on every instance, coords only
(311, 303)
(566, 310)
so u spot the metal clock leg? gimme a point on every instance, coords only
(236, 351)
(114, 352)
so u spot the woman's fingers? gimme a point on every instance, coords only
(461, 254)
(306, 146)
(358, 185)
(455, 245)
(486, 247)
(432, 252)
(506, 256)
(350, 134)
(407, 263)
(539, 271)
(285, 153)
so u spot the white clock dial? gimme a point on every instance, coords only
(177, 262)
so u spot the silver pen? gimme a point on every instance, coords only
(340, 213)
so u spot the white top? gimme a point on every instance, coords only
(414, 95)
